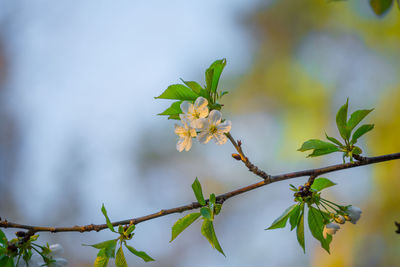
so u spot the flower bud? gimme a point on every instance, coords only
(354, 214)
(236, 156)
(330, 229)
(340, 219)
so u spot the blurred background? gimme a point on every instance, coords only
(78, 124)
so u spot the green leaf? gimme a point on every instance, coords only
(183, 223)
(356, 150)
(178, 92)
(120, 260)
(280, 222)
(334, 140)
(196, 186)
(101, 261)
(341, 121)
(212, 198)
(120, 229)
(294, 217)
(223, 93)
(174, 117)
(213, 74)
(321, 183)
(109, 225)
(205, 212)
(316, 144)
(207, 229)
(108, 246)
(174, 109)
(380, 7)
(130, 229)
(217, 208)
(300, 230)
(320, 152)
(361, 131)
(194, 86)
(3, 238)
(357, 117)
(316, 225)
(140, 254)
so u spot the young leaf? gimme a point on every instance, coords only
(194, 86)
(183, 223)
(140, 254)
(321, 183)
(380, 7)
(217, 208)
(101, 261)
(205, 212)
(280, 222)
(213, 74)
(174, 117)
(356, 150)
(361, 131)
(324, 151)
(334, 140)
(178, 92)
(196, 186)
(207, 229)
(294, 217)
(130, 229)
(357, 117)
(108, 246)
(341, 121)
(300, 230)
(174, 109)
(120, 260)
(212, 198)
(316, 225)
(316, 144)
(104, 211)
(120, 229)
(3, 238)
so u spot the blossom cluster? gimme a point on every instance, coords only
(353, 214)
(198, 121)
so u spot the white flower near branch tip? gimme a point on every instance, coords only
(330, 229)
(212, 128)
(185, 134)
(354, 214)
(194, 112)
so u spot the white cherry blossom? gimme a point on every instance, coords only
(330, 229)
(354, 214)
(194, 112)
(55, 253)
(212, 128)
(185, 134)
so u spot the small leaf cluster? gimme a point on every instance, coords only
(320, 213)
(19, 249)
(107, 248)
(191, 90)
(208, 211)
(345, 127)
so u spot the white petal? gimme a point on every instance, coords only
(201, 124)
(188, 144)
(204, 137)
(220, 138)
(59, 262)
(215, 117)
(181, 144)
(179, 130)
(225, 127)
(56, 249)
(185, 106)
(203, 112)
(200, 103)
(193, 132)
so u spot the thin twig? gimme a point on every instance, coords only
(221, 198)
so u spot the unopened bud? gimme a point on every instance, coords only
(236, 156)
(340, 219)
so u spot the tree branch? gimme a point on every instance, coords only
(220, 199)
